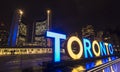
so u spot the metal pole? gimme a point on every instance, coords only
(48, 18)
(33, 32)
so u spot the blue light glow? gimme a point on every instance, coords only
(110, 47)
(87, 47)
(113, 58)
(90, 65)
(115, 69)
(14, 37)
(56, 49)
(107, 69)
(102, 48)
(105, 60)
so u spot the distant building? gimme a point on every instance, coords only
(18, 30)
(88, 32)
(3, 35)
(39, 30)
(22, 35)
(99, 36)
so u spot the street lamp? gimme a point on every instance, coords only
(48, 18)
(20, 12)
(48, 11)
(49, 14)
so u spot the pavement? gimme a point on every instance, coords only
(21, 63)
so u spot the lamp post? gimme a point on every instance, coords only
(48, 26)
(20, 13)
(48, 18)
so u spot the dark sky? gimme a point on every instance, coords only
(67, 15)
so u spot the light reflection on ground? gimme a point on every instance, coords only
(90, 65)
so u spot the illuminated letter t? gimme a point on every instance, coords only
(56, 50)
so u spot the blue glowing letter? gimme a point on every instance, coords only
(87, 47)
(102, 48)
(57, 38)
(110, 47)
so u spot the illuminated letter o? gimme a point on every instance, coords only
(69, 47)
(93, 48)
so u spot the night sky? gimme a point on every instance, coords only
(67, 15)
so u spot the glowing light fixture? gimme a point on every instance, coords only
(21, 12)
(56, 49)
(102, 48)
(87, 47)
(48, 11)
(110, 47)
(69, 47)
(93, 48)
